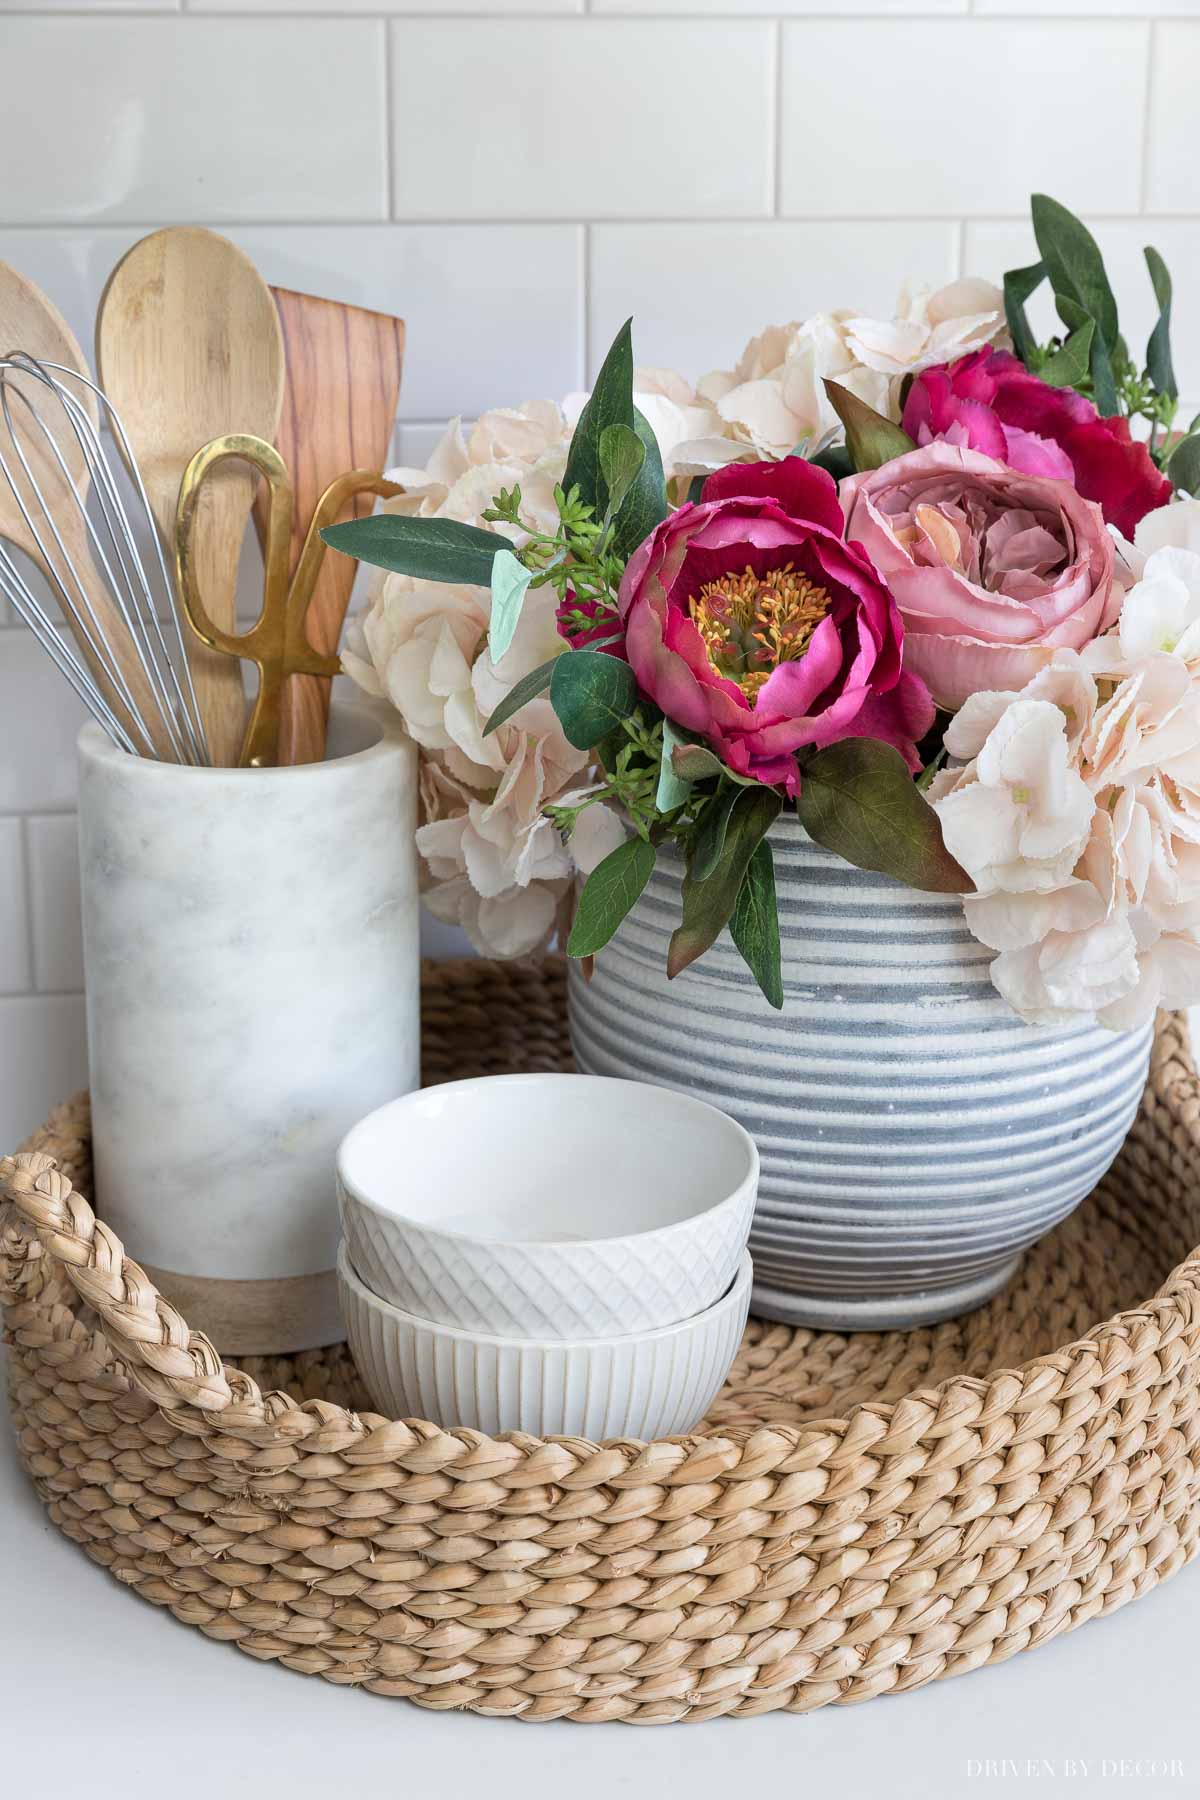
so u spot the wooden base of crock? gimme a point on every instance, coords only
(258, 1318)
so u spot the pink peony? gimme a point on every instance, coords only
(751, 623)
(989, 401)
(992, 570)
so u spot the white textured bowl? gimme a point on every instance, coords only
(653, 1384)
(548, 1206)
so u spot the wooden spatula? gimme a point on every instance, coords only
(343, 382)
(189, 348)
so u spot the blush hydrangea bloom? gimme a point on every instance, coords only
(1077, 813)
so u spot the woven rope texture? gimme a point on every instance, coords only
(857, 1516)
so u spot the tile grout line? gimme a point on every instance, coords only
(27, 882)
(1147, 104)
(584, 271)
(775, 102)
(390, 133)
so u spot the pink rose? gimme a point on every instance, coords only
(752, 624)
(992, 570)
(989, 401)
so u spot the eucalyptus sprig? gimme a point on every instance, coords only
(1091, 355)
(577, 559)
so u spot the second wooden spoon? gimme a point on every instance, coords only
(190, 349)
(343, 382)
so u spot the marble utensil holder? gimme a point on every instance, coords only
(253, 980)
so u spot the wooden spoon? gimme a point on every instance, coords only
(189, 348)
(339, 410)
(31, 323)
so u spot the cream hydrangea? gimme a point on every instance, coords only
(774, 398)
(1076, 811)
(494, 864)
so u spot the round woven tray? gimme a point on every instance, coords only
(857, 1516)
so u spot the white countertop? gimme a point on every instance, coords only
(104, 1695)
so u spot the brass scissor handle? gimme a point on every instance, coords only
(277, 642)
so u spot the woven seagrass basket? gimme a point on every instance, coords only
(857, 1516)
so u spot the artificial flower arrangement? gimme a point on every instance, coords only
(916, 579)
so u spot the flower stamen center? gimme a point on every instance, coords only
(751, 623)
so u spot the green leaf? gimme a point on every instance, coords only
(673, 788)
(1158, 351)
(428, 549)
(754, 926)
(646, 503)
(870, 438)
(1019, 285)
(859, 800)
(1182, 467)
(1075, 265)
(527, 689)
(708, 905)
(612, 888)
(622, 454)
(591, 694)
(510, 582)
(1070, 364)
(708, 841)
(835, 461)
(696, 762)
(1104, 382)
(610, 403)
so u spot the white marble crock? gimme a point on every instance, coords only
(915, 1135)
(251, 945)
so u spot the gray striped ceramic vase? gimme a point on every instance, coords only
(915, 1135)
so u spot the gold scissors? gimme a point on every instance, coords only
(277, 643)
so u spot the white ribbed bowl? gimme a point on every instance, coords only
(915, 1135)
(648, 1385)
(547, 1206)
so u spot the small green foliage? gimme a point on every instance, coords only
(612, 888)
(427, 549)
(870, 438)
(510, 582)
(1093, 357)
(858, 799)
(592, 694)
(754, 926)
(708, 905)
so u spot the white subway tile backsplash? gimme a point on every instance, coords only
(1171, 184)
(54, 898)
(415, 444)
(92, 6)
(39, 721)
(349, 7)
(749, 276)
(515, 178)
(43, 1060)
(788, 8)
(493, 312)
(587, 118)
(972, 116)
(14, 910)
(192, 118)
(992, 246)
(1086, 9)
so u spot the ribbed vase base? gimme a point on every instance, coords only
(880, 1312)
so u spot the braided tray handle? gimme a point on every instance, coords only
(172, 1363)
(180, 1371)
(44, 1219)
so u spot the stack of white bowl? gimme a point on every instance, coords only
(556, 1254)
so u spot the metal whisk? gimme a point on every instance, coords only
(101, 557)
